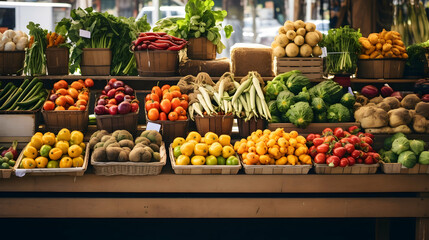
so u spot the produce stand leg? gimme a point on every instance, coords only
(382, 229)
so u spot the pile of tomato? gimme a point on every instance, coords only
(166, 103)
(69, 97)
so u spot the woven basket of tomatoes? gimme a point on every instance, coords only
(117, 107)
(67, 106)
(168, 107)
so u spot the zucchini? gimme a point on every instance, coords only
(36, 89)
(8, 94)
(6, 89)
(31, 101)
(29, 88)
(11, 100)
(38, 104)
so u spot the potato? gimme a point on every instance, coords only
(387, 47)
(319, 34)
(370, 50)
(378, 46)
(299, 40)
(279, 51)
(317, 51)
(312, 39)
(288, 26)
(366, 44)
(374, 54)
(282, 30)
(282, 40)
(310, 27)
(301, 31)
(292, 50)
(305, 50)
(274, 44)
(291, 34)
(299, 24)
(373, 38)
(398, 117)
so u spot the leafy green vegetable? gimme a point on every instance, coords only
(285, 76)
(35, 59)
(330, 91)
(400, 145)
(424, 158)
(303, 96)
(296, 82)
(338, 113)
(107, 31)
(388, 141)
(319, 105)
(390, 157)
(272, 107)
(200, 21)
(408, 159)
(300, 114)
(320, 117)
(273, 88)
(348, 100)
(416, 60)
(417, 146)
(343, 48)
(284, 101)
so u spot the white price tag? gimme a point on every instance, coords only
(84, 33)
(20, 172)
(153, 126)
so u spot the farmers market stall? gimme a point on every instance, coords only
(343, 136)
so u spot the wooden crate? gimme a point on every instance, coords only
(355, 169)
(112, 123)
(57, 60)
(202, 169)
(246, 128)
(219, 124)
(276, 169)
(312, 128)
(131, 168)
(73, 171)
(201, 49)
(11, 62)
(159, 63)
(96, 61)
(381, 68)
(171, 129)
(397, 168)
(311, 67)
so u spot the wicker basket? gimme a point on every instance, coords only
(202, 169)
(112, 123)
(355, 169)
(73, 171)
(131, 168)
(397, 168)
(219, 124)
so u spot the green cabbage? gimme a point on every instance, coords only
(300, 114)
(348, 100)
(338, 113)
(285, 76)
(330, 91)
(319, 105)
(303, 96)
(417, 146)
(390, 157)
(284, 101)
(400, 145)
(388, 141)
(408, 159)
(273, 88)
(272, 107)
(320, 117)
(296, 82)
(275, 119)
(424, 158)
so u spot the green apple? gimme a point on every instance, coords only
(177, 151)
(11, 163)
(44, 151)
(53, 164)
(221, 160)
(211, 160)
(4, 165)
(9, 155)
(232, 160)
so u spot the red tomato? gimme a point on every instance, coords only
(48, 105)
(176, 94)
(339, 152)
(168, 96)
(153, 114)
(184, 104)
(163, 116)
(322, 148)
(89, 83)
(320, 158)
(112, 101)
(349, 148)
(156, 90)
(165, 105)
(154, 97)
(185, 97)
(317, 141)
(147, 98)
(165, 87)
(183, 118)
(180, 111)
(175, 103)
(152, 104)
(134, 107)
(173, 116)
(311, 137)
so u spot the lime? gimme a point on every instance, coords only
(44, 150)
(4, 165)
(211, 160)
(9, 155)
(53, 164)
(177, 152)
(11, 163)
(232, 160)
(221, 160)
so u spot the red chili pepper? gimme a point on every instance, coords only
(175, 48)
(153, 47)
(144, 46)
(176, 38)
(150, 34)
(161, 33)
(169, 42)
(166, 37)
(161, 45)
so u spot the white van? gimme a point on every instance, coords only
(165, 11)
(17, 15)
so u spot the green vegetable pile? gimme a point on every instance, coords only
(291, 98)
(107, 31)
(416, 60)
(199, 21)
(35, 59)
(343, 49)
(30, 95)
(399, 149)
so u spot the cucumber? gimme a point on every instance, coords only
(38, 104)
(31, 101)
(29, 88)
(36, 89)
(8, 94)
(6, 89)
(11, 100)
